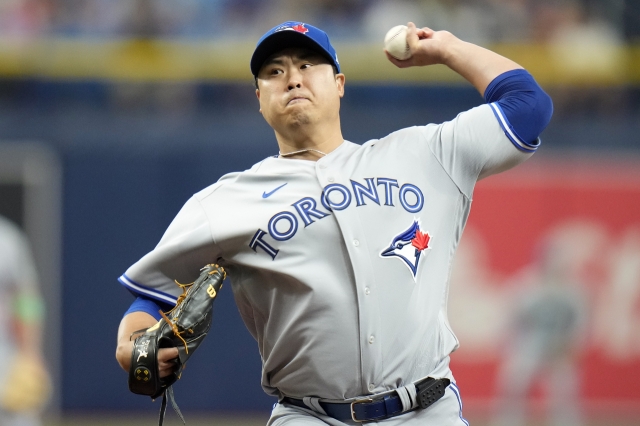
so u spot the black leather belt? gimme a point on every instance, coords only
(428, 391)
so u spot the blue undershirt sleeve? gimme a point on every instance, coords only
(150, 306)
(521, 106)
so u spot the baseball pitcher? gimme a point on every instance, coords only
(339, 253)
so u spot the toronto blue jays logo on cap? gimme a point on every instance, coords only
(299, 27)
(408, 246)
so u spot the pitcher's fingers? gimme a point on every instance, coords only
(166, 354)
(165, 368)
(398, 63)
(167, 361)
(412, 36)
(424, 33)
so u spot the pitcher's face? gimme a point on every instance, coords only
(298, 86)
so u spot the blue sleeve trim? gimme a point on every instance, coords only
(142, 290)
(511, 133)
(523, 107)
(143, 304)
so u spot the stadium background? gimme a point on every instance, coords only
(137, 104)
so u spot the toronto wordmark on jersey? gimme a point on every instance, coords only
(379, 191)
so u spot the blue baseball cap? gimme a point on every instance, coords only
(292, 34)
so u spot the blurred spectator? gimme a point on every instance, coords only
(137, 18)
(585, 43)
(342, 18)
(249, 19)
(548, 331)
(586, 47)
(144, 20)
(24, 381)
(24, 18)
(509, 20)
(91, 18)
(479, 21)
(465, 18)
(383, 15)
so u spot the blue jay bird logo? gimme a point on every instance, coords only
(408, 246)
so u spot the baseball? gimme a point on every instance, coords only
(396, 42)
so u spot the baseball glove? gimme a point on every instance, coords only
(183, 327)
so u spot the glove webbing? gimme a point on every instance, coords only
(168, 394)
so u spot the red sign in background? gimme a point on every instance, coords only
(588, 211)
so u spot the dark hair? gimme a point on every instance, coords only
(255, 78)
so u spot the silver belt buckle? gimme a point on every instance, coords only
(353, 413)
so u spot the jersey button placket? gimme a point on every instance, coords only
(356, 243)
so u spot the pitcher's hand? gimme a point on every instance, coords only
(427, 47)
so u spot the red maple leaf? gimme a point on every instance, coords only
(300, 28)
(421, 240)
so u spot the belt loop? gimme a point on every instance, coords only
(407, 396)
(314, 404)
(413, 394)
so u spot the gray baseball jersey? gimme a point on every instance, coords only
(340, 267)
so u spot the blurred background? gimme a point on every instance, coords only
(113, 112)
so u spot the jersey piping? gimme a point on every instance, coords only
(456, 391)
(513, 137)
